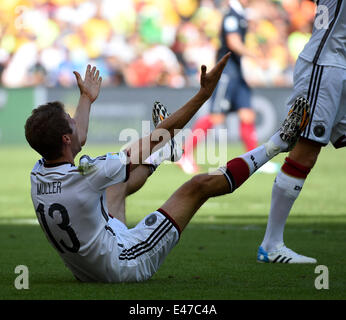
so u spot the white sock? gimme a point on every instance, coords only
(257, 157)
(285, 191)
(275, 145)
(171, 151)
(157, 157)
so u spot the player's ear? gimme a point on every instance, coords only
(66, 139)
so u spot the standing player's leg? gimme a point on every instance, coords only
(183, 204)
(286, 189)
(325, 92)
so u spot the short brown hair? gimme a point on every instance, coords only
(44, 129)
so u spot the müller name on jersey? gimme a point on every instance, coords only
(49, 188)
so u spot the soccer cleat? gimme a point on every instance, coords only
(160, 113)
(295, 122)
(282, 255)
(287, 136)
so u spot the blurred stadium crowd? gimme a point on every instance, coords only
(143, 42)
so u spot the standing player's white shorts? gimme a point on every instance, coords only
(142, 249)
(325, 88)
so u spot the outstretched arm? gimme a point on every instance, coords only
(89, 90)
(142, 149)
(208, 83)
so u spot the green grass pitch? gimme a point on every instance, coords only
(216, 256)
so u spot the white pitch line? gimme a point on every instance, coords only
(25, 221)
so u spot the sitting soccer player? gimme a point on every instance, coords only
(72, 202)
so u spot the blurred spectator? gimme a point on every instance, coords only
(143, 42)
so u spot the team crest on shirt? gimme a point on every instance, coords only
(319, 130)
(86, 165)
(151, 220)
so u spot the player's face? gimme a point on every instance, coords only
(75, 142)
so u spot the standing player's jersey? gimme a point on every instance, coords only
(71, 209)
(233, 22)
(327, 45)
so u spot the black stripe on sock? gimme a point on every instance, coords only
(229, 177)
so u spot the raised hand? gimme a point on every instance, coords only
(90, 86)
(210, 79)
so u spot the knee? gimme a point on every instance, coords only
(305, 153)
(199, 184)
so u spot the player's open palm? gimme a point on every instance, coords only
(210, 79)
(91, 84)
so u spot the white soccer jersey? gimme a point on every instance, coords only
(71, 209)
(327, 45)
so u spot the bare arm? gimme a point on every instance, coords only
(140, 150)
(208, 83)
(89, 90)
